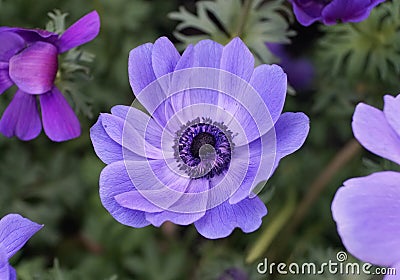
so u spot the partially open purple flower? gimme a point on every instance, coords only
(367, 209)
(215, 131)
(29, 59)
(15, 231)
(330, 11)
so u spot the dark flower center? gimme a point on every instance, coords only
(203, 148)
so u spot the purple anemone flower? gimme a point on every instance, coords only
(300, 71)
(213, 131)
(330, 11)
(367, 209)
(29, 60)
(15, 231)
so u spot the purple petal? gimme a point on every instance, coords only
(21, 118)
(34, 69)
(136, 201)
(270, 82)
(5, 81)
(115, 180)
(11, 43)
(208, 53)
(81, 32)
(237, 59)
(59, 120)
(184, 219)
(140, 67)
(367, 213)
(4, 266)
(220, 221)
(106, 149)
(186, 60)
(391, 111)
(13, 273)
(373, 131)
(348, 11)
(291, 131)
(164, 57)
(15, 231)
(32, 35)
(306, 14)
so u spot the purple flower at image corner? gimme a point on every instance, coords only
(300, 71)
(29, 60)
(331, 11)
(215, 131)
(15, 231)
(367, 209)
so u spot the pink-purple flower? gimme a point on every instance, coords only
(332, 11)
(29, 60)
(15, 231)
(213, 131)
(367, 209)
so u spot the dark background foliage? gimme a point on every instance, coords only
(57, 183)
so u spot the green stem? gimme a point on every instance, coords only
(243, 18)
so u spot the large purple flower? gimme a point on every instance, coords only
(15, 231)
(367, 209)
(330, 11)
(214, 131)
(29, 59)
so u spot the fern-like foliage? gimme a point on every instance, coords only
(256, 22)
(370, 48)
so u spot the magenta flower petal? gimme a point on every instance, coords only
(32, 35)
(115, 180)
(15, 231)
(391, 111)
(35, 68)
(5, 81)
(220, 221)
(59, 120)
(270, 82)
(81, 32)
(373, 131)
(11, 43)
(21, 118)
(367, 213)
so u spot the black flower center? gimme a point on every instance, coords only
(203, 149)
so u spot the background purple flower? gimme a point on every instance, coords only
(329, 12)
(367, 209)
(300, 71)
(215, 131)
(15, 231)
(29, 59)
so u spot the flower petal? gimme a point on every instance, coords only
(140, 68)
(21, 118)
(308, 14)
(270, 82)
(184, 219)
(59, 120)
(32, 35)
(164, 57)
(373, 131)
(220, 221)
(81, 32)
(11, 43)
(348, 11)
(13, 273)
(367, 213)
(34, 69)
(136, 201)
(15, 231)
(4, 266)
(237, 59)
(291, 132)
(391, 111)
(106, 149)
(115, 180)
(5, 81)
